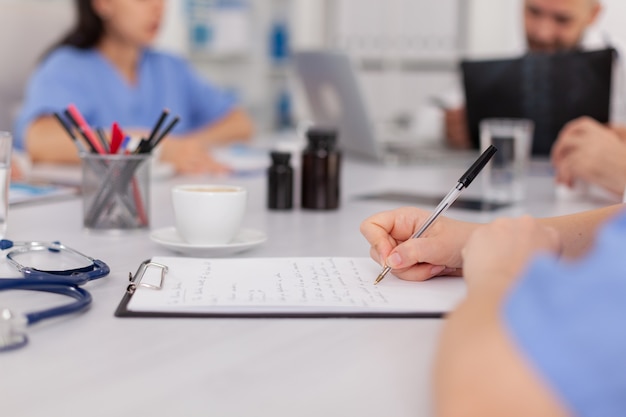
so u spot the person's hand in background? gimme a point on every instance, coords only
(455, 128)
(190, 156)
(589, 151)
(20, 166)
(16, 171)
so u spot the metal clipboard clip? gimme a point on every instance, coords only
(137, 278)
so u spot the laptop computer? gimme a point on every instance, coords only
(550, 89)
(335, 99)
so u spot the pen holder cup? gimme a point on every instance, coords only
(116, 192)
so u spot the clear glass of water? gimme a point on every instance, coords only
(6, 145)
(503, 177)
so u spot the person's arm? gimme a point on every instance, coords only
(479, 370)
(578, 230)
(215, 119)
(216, 115)
(46, 141)
(439, 249)
(190, 154)
(234, 127)
(58, 80)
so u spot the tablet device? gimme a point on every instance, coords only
(464, 203)
(549, 89)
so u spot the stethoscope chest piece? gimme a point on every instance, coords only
(12, 330)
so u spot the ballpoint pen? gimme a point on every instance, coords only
(102, 139)
(165, 132)
(79, 145)
(147, 145)
(153, 134)
(74, 123)
(463, 182)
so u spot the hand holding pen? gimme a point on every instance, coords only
(378, 228)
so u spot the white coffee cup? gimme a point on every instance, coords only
(208, 214)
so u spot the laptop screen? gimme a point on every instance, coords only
(335, 99)
(550, 89)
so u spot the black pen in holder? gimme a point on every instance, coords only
(116, 191)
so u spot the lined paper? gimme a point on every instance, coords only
(313, 285)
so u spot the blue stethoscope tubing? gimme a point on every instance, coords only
(79, 276)
(82, 301)
(66, 282)
(82, 298)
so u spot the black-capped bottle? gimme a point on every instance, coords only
(280, 182)
(321, 166)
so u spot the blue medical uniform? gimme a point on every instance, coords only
(569, 319)
(89, 81)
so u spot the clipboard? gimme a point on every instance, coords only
(316, 287)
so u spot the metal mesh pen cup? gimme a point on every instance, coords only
(116, 192)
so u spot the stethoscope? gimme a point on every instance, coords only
(62, 279)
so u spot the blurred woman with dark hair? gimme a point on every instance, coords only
(106, 67)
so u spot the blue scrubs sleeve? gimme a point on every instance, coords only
(569, 320)
(51, 89)
(209, 103)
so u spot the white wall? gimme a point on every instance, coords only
(496, 25)
(613, 18)
(173, 34)
(309, 23)
(27, 29)
(494, 28)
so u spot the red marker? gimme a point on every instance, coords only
(117, 136)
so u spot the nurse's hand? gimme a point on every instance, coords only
(190, 156)
(436, 252)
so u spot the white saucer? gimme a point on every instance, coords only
(245, 239)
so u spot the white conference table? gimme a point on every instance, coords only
(95, 364)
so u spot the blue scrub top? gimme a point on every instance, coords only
(569, 319)
(89, 81)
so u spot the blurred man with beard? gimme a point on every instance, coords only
(549, 26)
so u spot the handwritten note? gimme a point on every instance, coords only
(288, 285)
